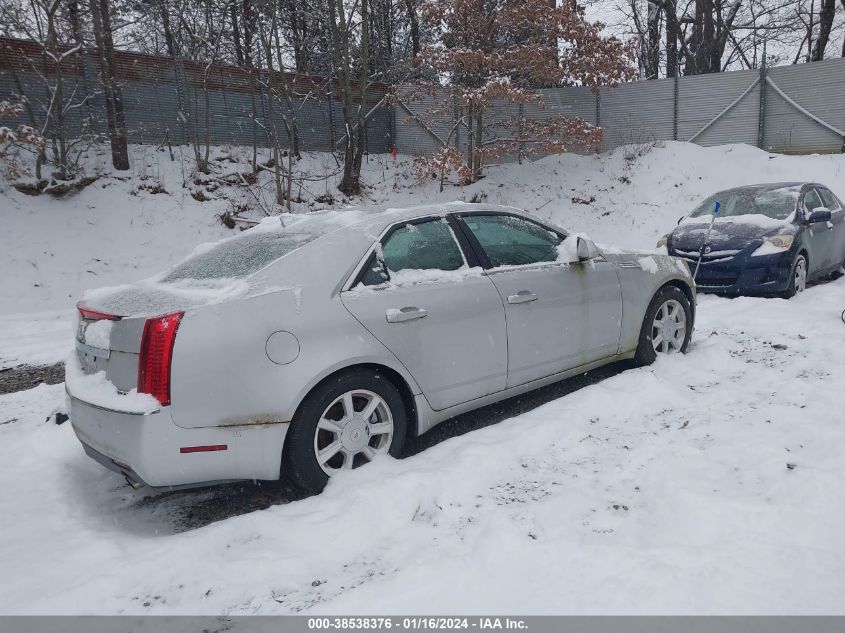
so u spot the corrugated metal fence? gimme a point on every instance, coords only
(791, 109)
(787, 109)
(236, 108)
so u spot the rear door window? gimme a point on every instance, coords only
(427, 245)
(509, 240)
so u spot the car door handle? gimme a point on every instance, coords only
(408, 313)
(523, 296)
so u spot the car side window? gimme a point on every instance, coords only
(829, 200)
(509, 240)
(428, 245)
(811, 201)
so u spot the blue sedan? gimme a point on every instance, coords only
(768, 239)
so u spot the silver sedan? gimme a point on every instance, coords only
(311, 344)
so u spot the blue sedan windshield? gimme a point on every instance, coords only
(776, 202)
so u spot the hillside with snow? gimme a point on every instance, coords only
(127, 226)
(707, 483)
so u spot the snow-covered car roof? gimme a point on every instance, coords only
(374, 218)
(229, 268)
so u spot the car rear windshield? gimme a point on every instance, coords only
(239, 257)
(775, 202)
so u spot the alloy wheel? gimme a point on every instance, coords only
(669, 328)
(800, 275)
(354, 428)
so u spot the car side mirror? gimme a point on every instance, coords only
(586, 249)
(821, 214)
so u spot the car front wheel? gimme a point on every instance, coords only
(667, 325)
(345, 422)
(797, 277)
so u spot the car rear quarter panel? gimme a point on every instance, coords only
(222, 374)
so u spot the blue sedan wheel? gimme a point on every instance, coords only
(798, 279)
(800, 274)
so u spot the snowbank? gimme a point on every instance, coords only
(116, 231)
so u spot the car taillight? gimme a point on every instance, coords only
(94, 315)
(156, 356)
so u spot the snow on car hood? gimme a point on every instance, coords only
(729, 233)
(651, 261)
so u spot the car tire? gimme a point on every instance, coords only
(664, 304)
(795, 286)
(326, 406)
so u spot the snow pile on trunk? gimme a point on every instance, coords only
(98, 334)
(97, 390)
(151, 297)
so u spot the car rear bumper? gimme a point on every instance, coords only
(149, 449)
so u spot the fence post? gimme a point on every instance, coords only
(598, 107)
(332, 146)
(456, 113)
(394, 140)
(761, 117)
(675, 110)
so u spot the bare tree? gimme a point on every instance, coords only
(648, 29)
(281, 99)
(414, 30)
(342, 42)
(826, 15)
(52, 58)
(115, 118)
(707, 36)
(305, 26)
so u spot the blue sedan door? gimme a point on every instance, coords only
(837, 218)
(820, 235)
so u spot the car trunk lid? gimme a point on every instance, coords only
(133, 351)
(109, 343)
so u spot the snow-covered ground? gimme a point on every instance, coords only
(659, 490)
(707, 483)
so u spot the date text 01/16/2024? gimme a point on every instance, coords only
(416, 623)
